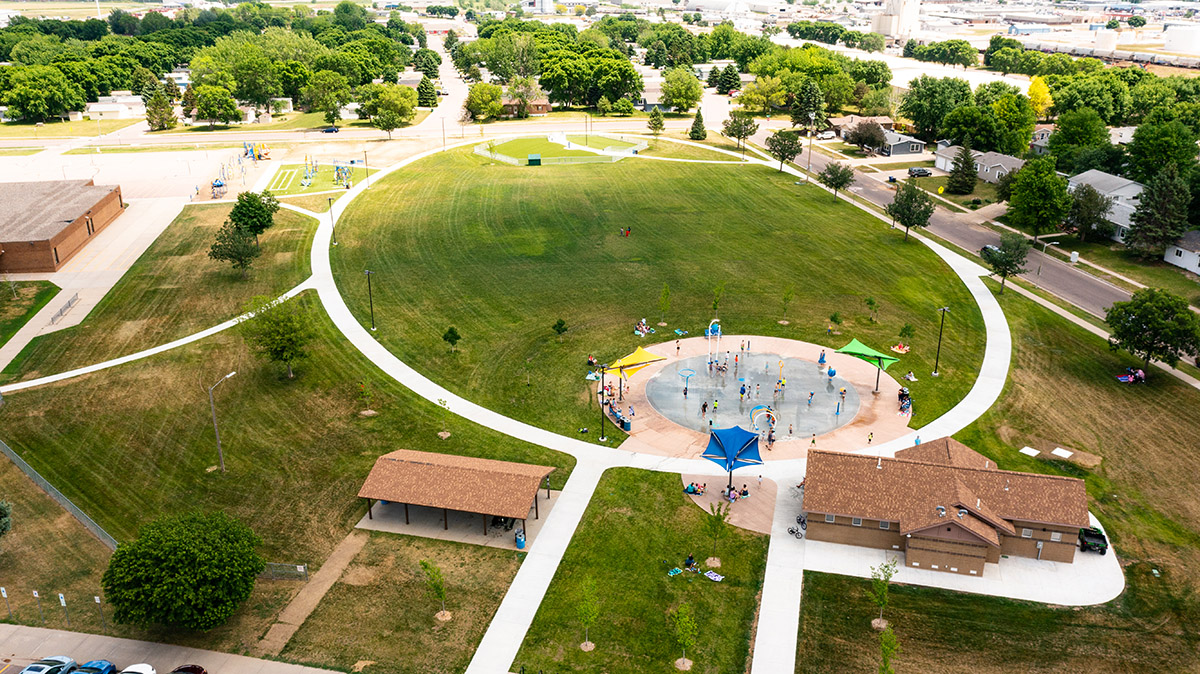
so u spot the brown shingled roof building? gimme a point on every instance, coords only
(946, 506)
(43, 224)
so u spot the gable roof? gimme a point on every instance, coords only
(949, 475)
(1105, 183)
(461, 483)
(1009, 163)
(1190, 241)
(893, 138)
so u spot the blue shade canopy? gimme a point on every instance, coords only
(732, 448)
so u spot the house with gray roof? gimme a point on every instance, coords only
(1123, 191)
(896, 144)
(1185, 253)
(989, 166)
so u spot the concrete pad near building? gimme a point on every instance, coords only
(44, 224)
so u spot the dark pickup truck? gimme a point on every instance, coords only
(1093, 539)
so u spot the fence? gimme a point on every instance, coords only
(277, 571)
(57, 495)
(65, 308)
(484, 151)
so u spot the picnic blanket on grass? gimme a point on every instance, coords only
(714, 576)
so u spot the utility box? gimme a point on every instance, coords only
(1074, 256)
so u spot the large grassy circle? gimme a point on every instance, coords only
(502, 252)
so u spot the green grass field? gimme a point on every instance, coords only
(131, 149)
(361, 608)
(172, 291)
(296, 121)
(636, 520)
(984, 191)
(502, 252)
(317, 203)
(660, 148)
(19, 151)
(297, 450)
(53, 128)
(289, 179)
(521, 148)
(19, 302)
(896, 166)
(598, 142)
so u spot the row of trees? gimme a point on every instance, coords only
(832, 33)
(949, 52)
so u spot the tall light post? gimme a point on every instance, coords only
(603, 369)
(370, 297)
(212, 404)
(366, 166)
(1045, 244)
(812, 122)
(332, 226)
(938, 359)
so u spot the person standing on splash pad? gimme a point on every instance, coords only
(810, 397)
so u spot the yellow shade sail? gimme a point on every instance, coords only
(633, 362)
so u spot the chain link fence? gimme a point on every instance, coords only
(277, 571)
(58, 496)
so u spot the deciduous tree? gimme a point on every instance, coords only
(1039, 199)
(739, 126)
(188, 571)
(435, 582)
(911, 207)
(279, 330)
(483, 101)
(1156, 145)
(684, 624)
(784, 146)
(587, 608)
(1039, 97)
(254, 212)
(1087, 218)
(866, 134)
(328, 92)
(836, 176)
(1009, 259)
(235, 246)
(452, 337)
(1154, 325)
(929, 99)
(681, 90)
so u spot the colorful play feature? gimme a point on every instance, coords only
(313, 176)
(256, 151)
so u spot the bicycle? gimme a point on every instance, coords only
(802, 521)
(795, 531)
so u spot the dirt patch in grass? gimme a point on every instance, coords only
(381, 609)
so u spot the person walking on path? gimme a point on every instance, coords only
(870, 437)
(704, 409)
(813, 443)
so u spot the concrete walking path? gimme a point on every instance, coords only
(21, 645)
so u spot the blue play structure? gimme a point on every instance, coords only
(732, 448)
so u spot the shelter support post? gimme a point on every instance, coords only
(445, 520)
(406, 513)
(484, 524)
(369, 504)
(535, 508)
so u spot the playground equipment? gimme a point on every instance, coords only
(256, 151)
(218, 188)
(342, 173)
(713, 335)
(762, 413)
(687, 374)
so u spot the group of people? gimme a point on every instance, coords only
(695, 489)
(1133, 376)
(642, 328)
(905, 401)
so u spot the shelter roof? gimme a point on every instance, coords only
(860, 350)
(461, 483)
(635, 361)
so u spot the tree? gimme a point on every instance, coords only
(388, 121)
(1039, 97)
(716, 522)
(216, 105)
(866, 134)
(452, 337)
(681, 90)
(560, 327)
(784, 146)
(730, 79)
(279, 330)
(739, 126)
(664, 302)
(588, 606)
(717, 293)
(1075, 131)
(524, 90)
(426, 93)
(876, 102)
(1136, 21)
(188, 571)
(655, 123)
(929, 99)
(888, 648)
(971, 125)
(881, 578)
(40, 91)
(1009, 259)
(714, 77)
(1112, 24)
(623, 106)
(1088, 215)
(160, 114)
(911, 207)
(254, 213)
(5, 518)
(435, 582)
(1015, 120)
(1154, 325)
(684, 624)
(171, 89)
(808, 106)
(233, 245)
(836, 176)
(1155, 145)
(483, 101)
(698, 132)
(763, 94)
(1039, 199)
(188, 102)
(1161, 216)
(328, 92)
(963, 175)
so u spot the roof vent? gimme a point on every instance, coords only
(879, 462)
(962, 512)
(1006, 485)
(941, 511)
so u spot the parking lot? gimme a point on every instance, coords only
(21, 645)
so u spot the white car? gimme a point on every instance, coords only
(140, 668)
(826, 135)
(55, 664)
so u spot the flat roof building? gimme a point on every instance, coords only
(43, 224)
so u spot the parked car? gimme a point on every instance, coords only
(826, 135)
(919, 172)
(188, 669)
(1093, 539)
(988, 252)
(55, 664)
(140, 668)
(443, 92)
(329, 129)
(97, 667)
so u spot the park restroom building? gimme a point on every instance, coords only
(43, 224)
(944, 506)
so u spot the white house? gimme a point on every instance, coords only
(1186, 252)
(989, 166)
(1122, 191)
(1121, 135)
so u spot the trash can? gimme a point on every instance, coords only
(520, 539)
(625, 425)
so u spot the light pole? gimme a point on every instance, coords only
(603, 369)
(812, 121)
(332, 226)
(1045, 245)
(938, 358)
(212, 404)
(367, 180)
(370, 297)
